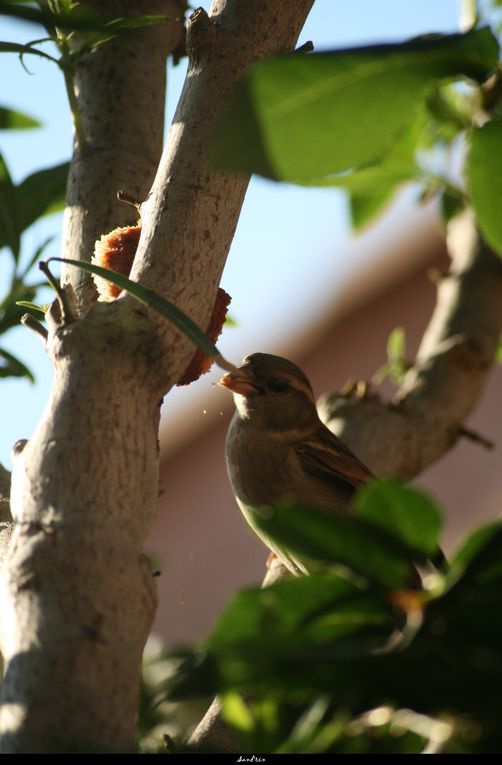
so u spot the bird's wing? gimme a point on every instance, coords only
(326, 457)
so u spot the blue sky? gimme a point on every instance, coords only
(288, 239)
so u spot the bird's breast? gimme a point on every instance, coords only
(259, 468)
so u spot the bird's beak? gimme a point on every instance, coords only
(241, 381)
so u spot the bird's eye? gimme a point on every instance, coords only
(278, 386)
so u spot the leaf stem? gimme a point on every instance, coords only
(66, 312)
(67, 65)
(152, 299)
(124, 196)
(69, 75)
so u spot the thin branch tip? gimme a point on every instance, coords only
(124, 196)
(436, 275)
(18, 447)
(477, 438)
(67, 311)
(307, 47)
(29, 321)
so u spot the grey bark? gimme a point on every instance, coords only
(77, 595)
(6, 523)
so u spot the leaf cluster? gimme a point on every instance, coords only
(68, 22)
(369, 119)
(352, 659)
(39, 194)
(75, 31)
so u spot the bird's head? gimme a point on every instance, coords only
(272, 392)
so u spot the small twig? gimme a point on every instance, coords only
(18, 447)
(307, 47)
(355, 389)
(66, 312)
(124, 196)
(67, 65)
(491, 91)
(75, 112)
(30, 322)
(436, 275)
(169, 743)
(471, 435)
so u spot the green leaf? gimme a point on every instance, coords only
(42, 193)
(397, 166)
(39, 194)
(72, 18)
(373, 187)
(13, 120)
(10, 366)
(150, 298)
(75, 17)
(301, 117)
(451, 203)
(306, 729)
(118, 28)
(396, 344)
(256, 721)
(9, 224)
(396, 365)
(318, 539)
(298, 605)
(121, 25)
(479, 551)
(364, 208)
(445, 681)
(451, 112)
(10, 47)
(484, 176)
(236, 712)
(498, 354)
(10, 313)
(406, 513)
(137, 22)
(32, 308)
(282, 637)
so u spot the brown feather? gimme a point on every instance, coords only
(325, 456)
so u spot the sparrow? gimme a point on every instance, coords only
(278, 450)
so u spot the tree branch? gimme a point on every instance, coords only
(190, 216)
(77, 595)
(121, 98)
(427, 416)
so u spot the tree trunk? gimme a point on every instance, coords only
(77, 595)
